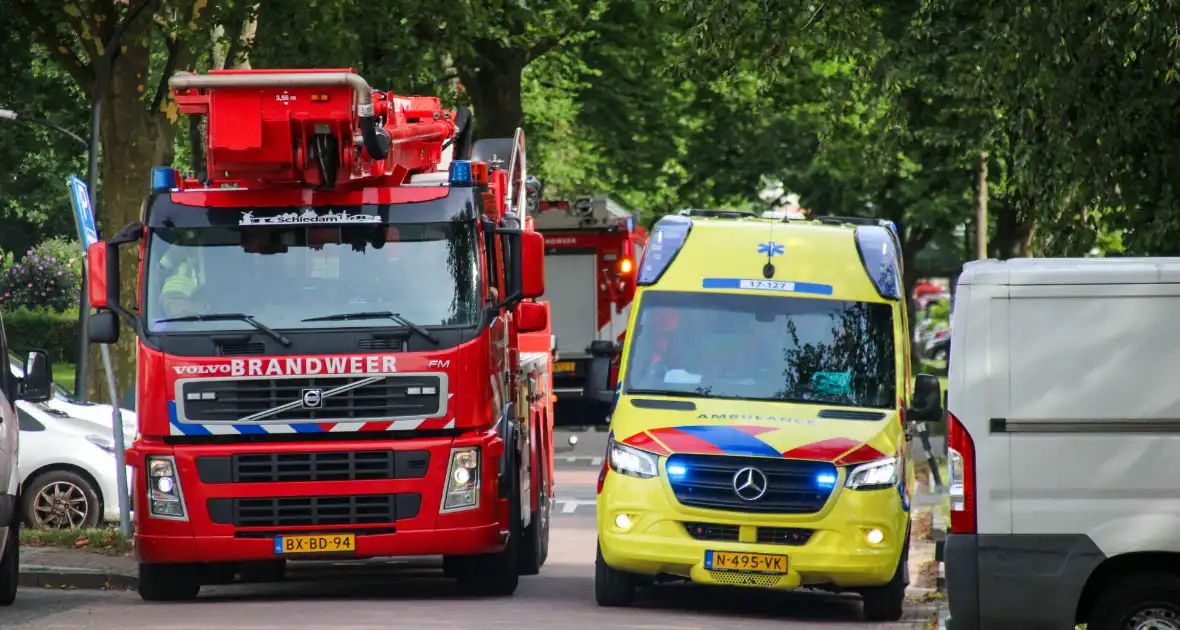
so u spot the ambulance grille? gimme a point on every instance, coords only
(230, 400)
(737, 578)
(791, 486)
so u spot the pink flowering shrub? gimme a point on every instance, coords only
(48, 276)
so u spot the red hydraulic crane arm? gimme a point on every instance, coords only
(321, 128)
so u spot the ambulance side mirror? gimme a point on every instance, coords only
(926, 403)
(598, 387)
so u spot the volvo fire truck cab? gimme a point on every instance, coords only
(339, 349)
(1063, 445)
(591, 249)
(758, 431)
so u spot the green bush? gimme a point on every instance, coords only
(42, 329)
(48, 276)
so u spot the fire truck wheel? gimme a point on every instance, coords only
(496, 574)
(169, 582)
(612, 588)
(534, 545)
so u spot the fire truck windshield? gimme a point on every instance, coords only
(287, 276)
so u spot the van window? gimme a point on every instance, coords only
(756, 347)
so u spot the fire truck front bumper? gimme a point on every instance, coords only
(362, 499)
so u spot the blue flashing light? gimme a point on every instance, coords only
(460, 173)
(163, 178)
(677, 471)
(881, 259)
(825, 480)
(667, 238)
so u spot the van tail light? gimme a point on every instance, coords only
(961, 462)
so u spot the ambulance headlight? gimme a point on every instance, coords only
(877, 475)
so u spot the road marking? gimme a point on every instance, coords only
(569, 506)
(573, 459)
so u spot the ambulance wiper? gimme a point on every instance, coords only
(667, 392)
(214, 317)
(340, 317)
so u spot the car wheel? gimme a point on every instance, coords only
(612, 588)
(1147, 600)
(10, 566)
(60, 499)
(496, 574)
(886, 603)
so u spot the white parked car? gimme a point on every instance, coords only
(67, 460)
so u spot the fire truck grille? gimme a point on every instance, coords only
(322, 466)
(279, 512)
(310, 399)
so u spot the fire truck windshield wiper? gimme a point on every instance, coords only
(340, 317)
(249, 319)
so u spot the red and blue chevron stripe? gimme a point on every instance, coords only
(187, 428)
(745, 440)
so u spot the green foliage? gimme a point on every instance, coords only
(46, 277)
(40, 329)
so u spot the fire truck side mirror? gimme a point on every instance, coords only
(532, 265)
(103, 327)
(531, 317)
(96, 276)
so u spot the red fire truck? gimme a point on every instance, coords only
(592, 248)
(339, 349)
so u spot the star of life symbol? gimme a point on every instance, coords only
(308, 216)
(771, 249)
(749, 484)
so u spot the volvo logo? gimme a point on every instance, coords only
(313, 398)
(749, 484)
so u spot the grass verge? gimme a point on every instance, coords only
(105, 540)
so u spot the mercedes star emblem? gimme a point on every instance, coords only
(749, 484)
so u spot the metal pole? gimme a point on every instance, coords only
(19, 117)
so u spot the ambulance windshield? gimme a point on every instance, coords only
(756, 347)
(282, 275)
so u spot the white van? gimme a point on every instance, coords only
(35, 387)
(1064, 432)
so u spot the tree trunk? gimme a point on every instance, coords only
(1014, 230)
(492, 78)
(134, 140)
(981, 208)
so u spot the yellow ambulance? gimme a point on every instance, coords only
(758, 429)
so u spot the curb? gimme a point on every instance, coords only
(63, 577)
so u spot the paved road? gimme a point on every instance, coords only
(372, 595)
(416, 594)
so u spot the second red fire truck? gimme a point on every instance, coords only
(340, 352)
(592, 251)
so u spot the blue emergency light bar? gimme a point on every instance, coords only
(163, 178)
(668, 236)
(878, 252)
(460, 173)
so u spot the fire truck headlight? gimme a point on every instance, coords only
(163, 486)
(462, 491)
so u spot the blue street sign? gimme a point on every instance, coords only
(83, 213)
